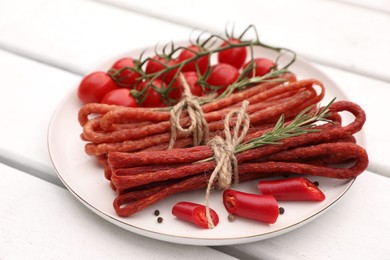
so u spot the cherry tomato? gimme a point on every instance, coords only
(222, 75)
(94, 86)
(189, 53)
(191, 78)
(263, 208)
(172, 94)
(151, 97)
(262, 66)
(119, 97)
(234, 56)
(194, 213)
(157, 64)
(161, 94)
(127, 77)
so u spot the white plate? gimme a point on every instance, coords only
(85, 180)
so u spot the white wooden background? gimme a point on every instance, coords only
(47, 46)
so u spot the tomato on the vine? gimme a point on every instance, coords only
(222, 75)
(94, 86)
(151, 97)
(157, 64)
(173, 93)
(262, 66)
(191, 77)
(234, 56)
(120, 97)
(127, 77)
(190, 52)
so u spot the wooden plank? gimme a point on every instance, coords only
(78, 35)
(39, 220)
(357, 227)
(327, 32)
(31, 92)
(377, 5)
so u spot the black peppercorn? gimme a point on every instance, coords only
(231, 217)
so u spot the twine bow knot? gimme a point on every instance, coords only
(198, 125)
(226, 167)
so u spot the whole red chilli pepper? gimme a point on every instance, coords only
(194, 213)
(263, 208)
(292, 189)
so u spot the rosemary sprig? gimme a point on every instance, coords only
(244, 82)
(303, 123)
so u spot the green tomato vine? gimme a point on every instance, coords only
(208, 46)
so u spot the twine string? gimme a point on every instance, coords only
(198, 126)
(226, 167)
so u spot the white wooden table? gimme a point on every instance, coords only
(47, 46)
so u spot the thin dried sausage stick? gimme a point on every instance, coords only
(118, 159)
(308, 153)
(182, 157)
(142, 143)
(298, 85)
(121, 114)
(110, 118)
(173, 156)
(93, 108)
(92, 131)
(354, 151)
(151, 142)
(355, 110)
(203, 152)
(130, 203)
(126, 114)
(243, 95)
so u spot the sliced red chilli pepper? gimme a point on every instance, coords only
(194, 213)
(263, 208)
(295, 189)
